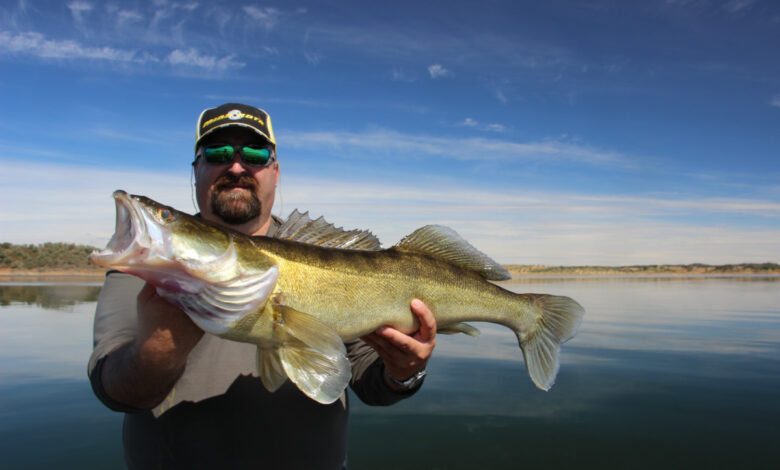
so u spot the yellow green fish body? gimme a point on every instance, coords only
(298, 302)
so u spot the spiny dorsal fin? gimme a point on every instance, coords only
(300, 228)
(445, 243)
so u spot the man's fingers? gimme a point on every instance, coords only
(371, 340)
(396, 346)
(397, 339)
(403, 345)
(427, 331)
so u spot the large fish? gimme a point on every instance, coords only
(299, 302)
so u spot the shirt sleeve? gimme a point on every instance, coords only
(116, 324)
(368, 381)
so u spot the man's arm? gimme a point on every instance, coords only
(147, 341)
(141, 373)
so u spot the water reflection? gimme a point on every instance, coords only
(682, 370)
(48, 295)
(678, 373)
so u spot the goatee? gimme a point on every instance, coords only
(235, 207)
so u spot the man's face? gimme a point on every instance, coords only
(234, 192)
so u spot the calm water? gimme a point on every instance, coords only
(664, 373)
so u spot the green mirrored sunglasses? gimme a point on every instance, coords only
(252, 155)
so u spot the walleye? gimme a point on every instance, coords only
(299, 302)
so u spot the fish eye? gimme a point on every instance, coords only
(166, 214)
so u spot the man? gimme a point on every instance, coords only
(193, 400)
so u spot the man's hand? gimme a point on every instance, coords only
(406, 355)
(166, 334)
(141, 373)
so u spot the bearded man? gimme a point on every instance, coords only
(192, 399)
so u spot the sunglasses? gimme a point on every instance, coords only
(252, 155)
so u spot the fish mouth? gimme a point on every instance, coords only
(130, 240)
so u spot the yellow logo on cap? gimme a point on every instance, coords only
(234, 115)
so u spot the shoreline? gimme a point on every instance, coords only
(53, 274)
(645, 270)
(518, 272)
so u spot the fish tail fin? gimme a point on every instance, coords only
(556, 321)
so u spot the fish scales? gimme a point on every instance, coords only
(299, 302)
(329, 289)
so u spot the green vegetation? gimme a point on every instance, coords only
(46, 257)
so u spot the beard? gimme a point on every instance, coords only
(235, 207)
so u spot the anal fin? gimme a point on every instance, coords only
(270, 369)
(456, 328)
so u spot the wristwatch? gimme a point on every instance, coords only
(409, 383)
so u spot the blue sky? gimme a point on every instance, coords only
(558, 132)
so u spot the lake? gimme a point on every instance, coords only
(666, 372)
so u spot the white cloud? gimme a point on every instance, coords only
(78, 9)
(468, 122)
(436, 71)
(312, 57)
(79, 212)
(518, 227)
(266, 17)
(545, 227)
(127, 16)
(472, 148)
(36, 44)
(401, 75)
(193, 58)
(735, 6)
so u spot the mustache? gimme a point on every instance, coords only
(231, 179)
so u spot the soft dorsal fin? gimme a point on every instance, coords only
(300, 228)
(445, 243)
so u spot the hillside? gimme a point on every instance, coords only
(675, 269)
(46, 257)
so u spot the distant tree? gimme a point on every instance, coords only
(46, 256)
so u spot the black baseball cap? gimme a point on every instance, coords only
(234, 114)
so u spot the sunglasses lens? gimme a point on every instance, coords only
(218, 153)
(256, 155)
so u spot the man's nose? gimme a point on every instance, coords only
(237, 165)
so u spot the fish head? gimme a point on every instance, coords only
(167, 248)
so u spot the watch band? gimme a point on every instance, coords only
(408, 383)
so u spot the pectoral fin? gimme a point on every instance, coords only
(312, 355)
